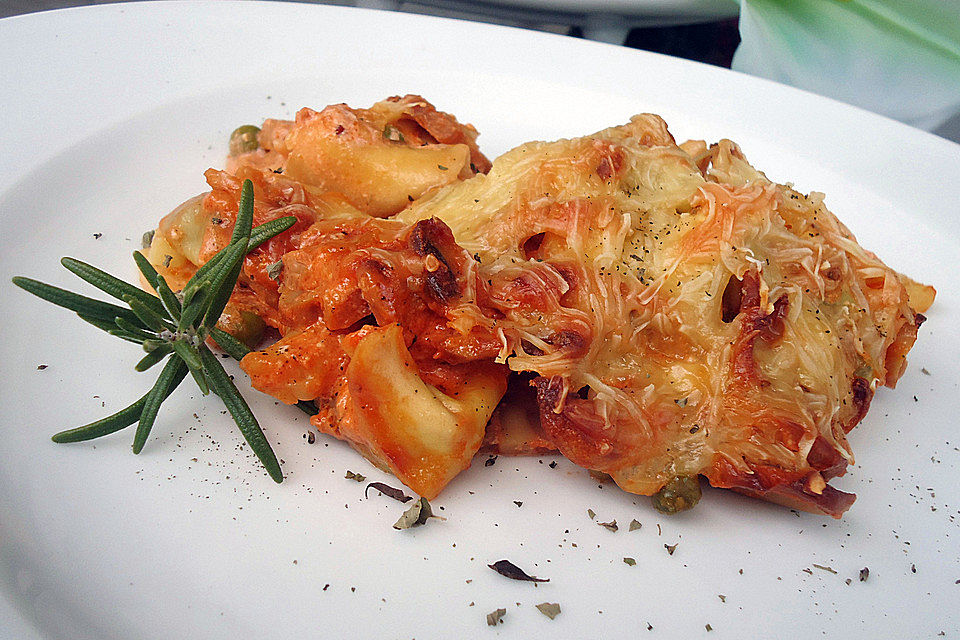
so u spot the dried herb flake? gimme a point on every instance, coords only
(670, 548)
(496, 617)
(824, 568)
(415, 516)
(609, 526)
(634, 525)
(391, 133)
(549, 609)
(350, 475)
(388, 491)
(274, 270)
(630, 561)
(512, 571)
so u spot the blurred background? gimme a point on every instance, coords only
(900, 58)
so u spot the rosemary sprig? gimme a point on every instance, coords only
(174, 326)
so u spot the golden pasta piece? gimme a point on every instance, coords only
(423, 436)
(338, 151)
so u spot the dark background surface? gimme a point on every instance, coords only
(710, 42)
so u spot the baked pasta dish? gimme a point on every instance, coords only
(655, 312)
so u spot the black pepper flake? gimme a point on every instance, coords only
(708, 627)
(864, 574)
(167, 259)
(97, 236)
(670, 548)
(311, 437)
(518, 503)
(634, 525)
(41, 367)
(489, 462)
(509, 570)
(553, 465)
(913, 568)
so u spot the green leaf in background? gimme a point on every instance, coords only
(899, 58)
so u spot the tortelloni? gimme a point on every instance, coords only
(659, 312)
(371, 313)
(376, 399)
(422, 435)
(174, 249)
(381, 355)
(341, 152)
(380, 159)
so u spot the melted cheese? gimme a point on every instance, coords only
(608, 258)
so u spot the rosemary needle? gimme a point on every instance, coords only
(174, 327)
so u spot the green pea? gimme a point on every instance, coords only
(244, 139)
(679, 494)
(245, 326)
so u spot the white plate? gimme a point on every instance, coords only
(110, 116)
